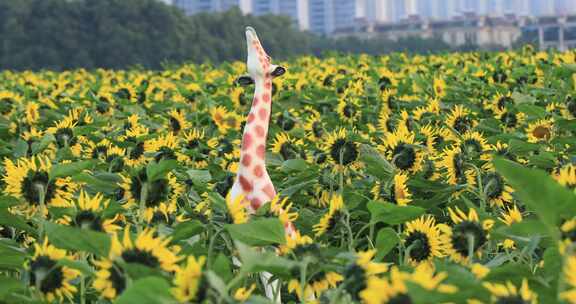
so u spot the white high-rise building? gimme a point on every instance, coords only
(328, 16)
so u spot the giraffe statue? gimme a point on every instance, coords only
(252, 180)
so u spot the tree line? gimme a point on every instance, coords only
(68, 34)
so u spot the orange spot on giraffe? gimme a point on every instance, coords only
(263, 114)
(259, 130)
(250, 118)
(258, 171)
(261, 151)
(255, 101)
(246, 185)
(246, 141)
(255, 203)
(266, 97)
(269, 190)
(246, 160)
(268, 84)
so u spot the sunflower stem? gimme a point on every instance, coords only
(415, 244)
(41, 198)
(143, 198)
(470, 238)
(303, 269)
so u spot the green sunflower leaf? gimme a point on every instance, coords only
(9, 286)
(393, 214)
(294, 166)
(386, 240)
(199, 176)
(12, 257)
(69, 169)
(376, 165)
(540, 192)
(259, 232)
(253, 261)
(10, 220)
(72, 238)
(157, 170)
(186, 230)
(147, 290)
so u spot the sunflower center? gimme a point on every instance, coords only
(175, 125)
(6, 105)
(225, 147)
(472, 146)
(510, 120)
(541, 132)
(123, 93)
(493, 185)
(223, 186)
(384, 83)
(193, 144)
(286, 123)
(511, 300)
(344, 152)
(165, 153)
(349, 111)
(137, 151)
(117, 278)
(157, 191)
(99, 152)
(64, 137)
(141, 257)
(419, 246)
(317, 129)
(44, 269)
(458, 162)
(504, 101)
(404, 156)
(400, 299)
(571, 235)
(462, 124)
(572, 107)
(102, 107)
(33, 185)
(288, 151)
(356, 277)
(461, 234)
(88, 220)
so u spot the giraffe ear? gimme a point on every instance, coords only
(244, 80)
(278, 71)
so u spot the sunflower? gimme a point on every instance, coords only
(98, 150)
(287, 146)
(89, 213)
(147, 250)
(296, 243)
(541, 130)
(32, 114)
(439, 88)
(238, 209)
(568, 234)
(460, 119)
(423, 240)
(243, 294)
(381, 290)
(115, 158)
(53, 280)
(361, 271)
(111, 279)
(508, 293)
(28, 179)
(164, 146)
(387, 79)
(9, 102)
(281, 208)
(401, 150)
(472, 144)
(496, 190)
(348, 109)
(570, 279)
(159, 196)
(238, 97)
(566, 176)
(197, 149)
(343, 151)
(453, 161)
(219, 115)
(314, 128)
(177, 121)
(427, 112)
(501, 102)
(511, 215)
(318, 283)
(510, 119)
(467, 236)
(188, 280)
(329, 220)
(65, 138)
(126, 91)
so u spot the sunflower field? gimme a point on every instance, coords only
(409, 179)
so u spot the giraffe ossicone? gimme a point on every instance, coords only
(252, 180)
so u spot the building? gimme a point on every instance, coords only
(191, 7)
(552, 32)
(330, 16)
(295, 9)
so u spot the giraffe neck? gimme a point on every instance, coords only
(252, 165)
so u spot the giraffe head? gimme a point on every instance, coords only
(259, 63)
